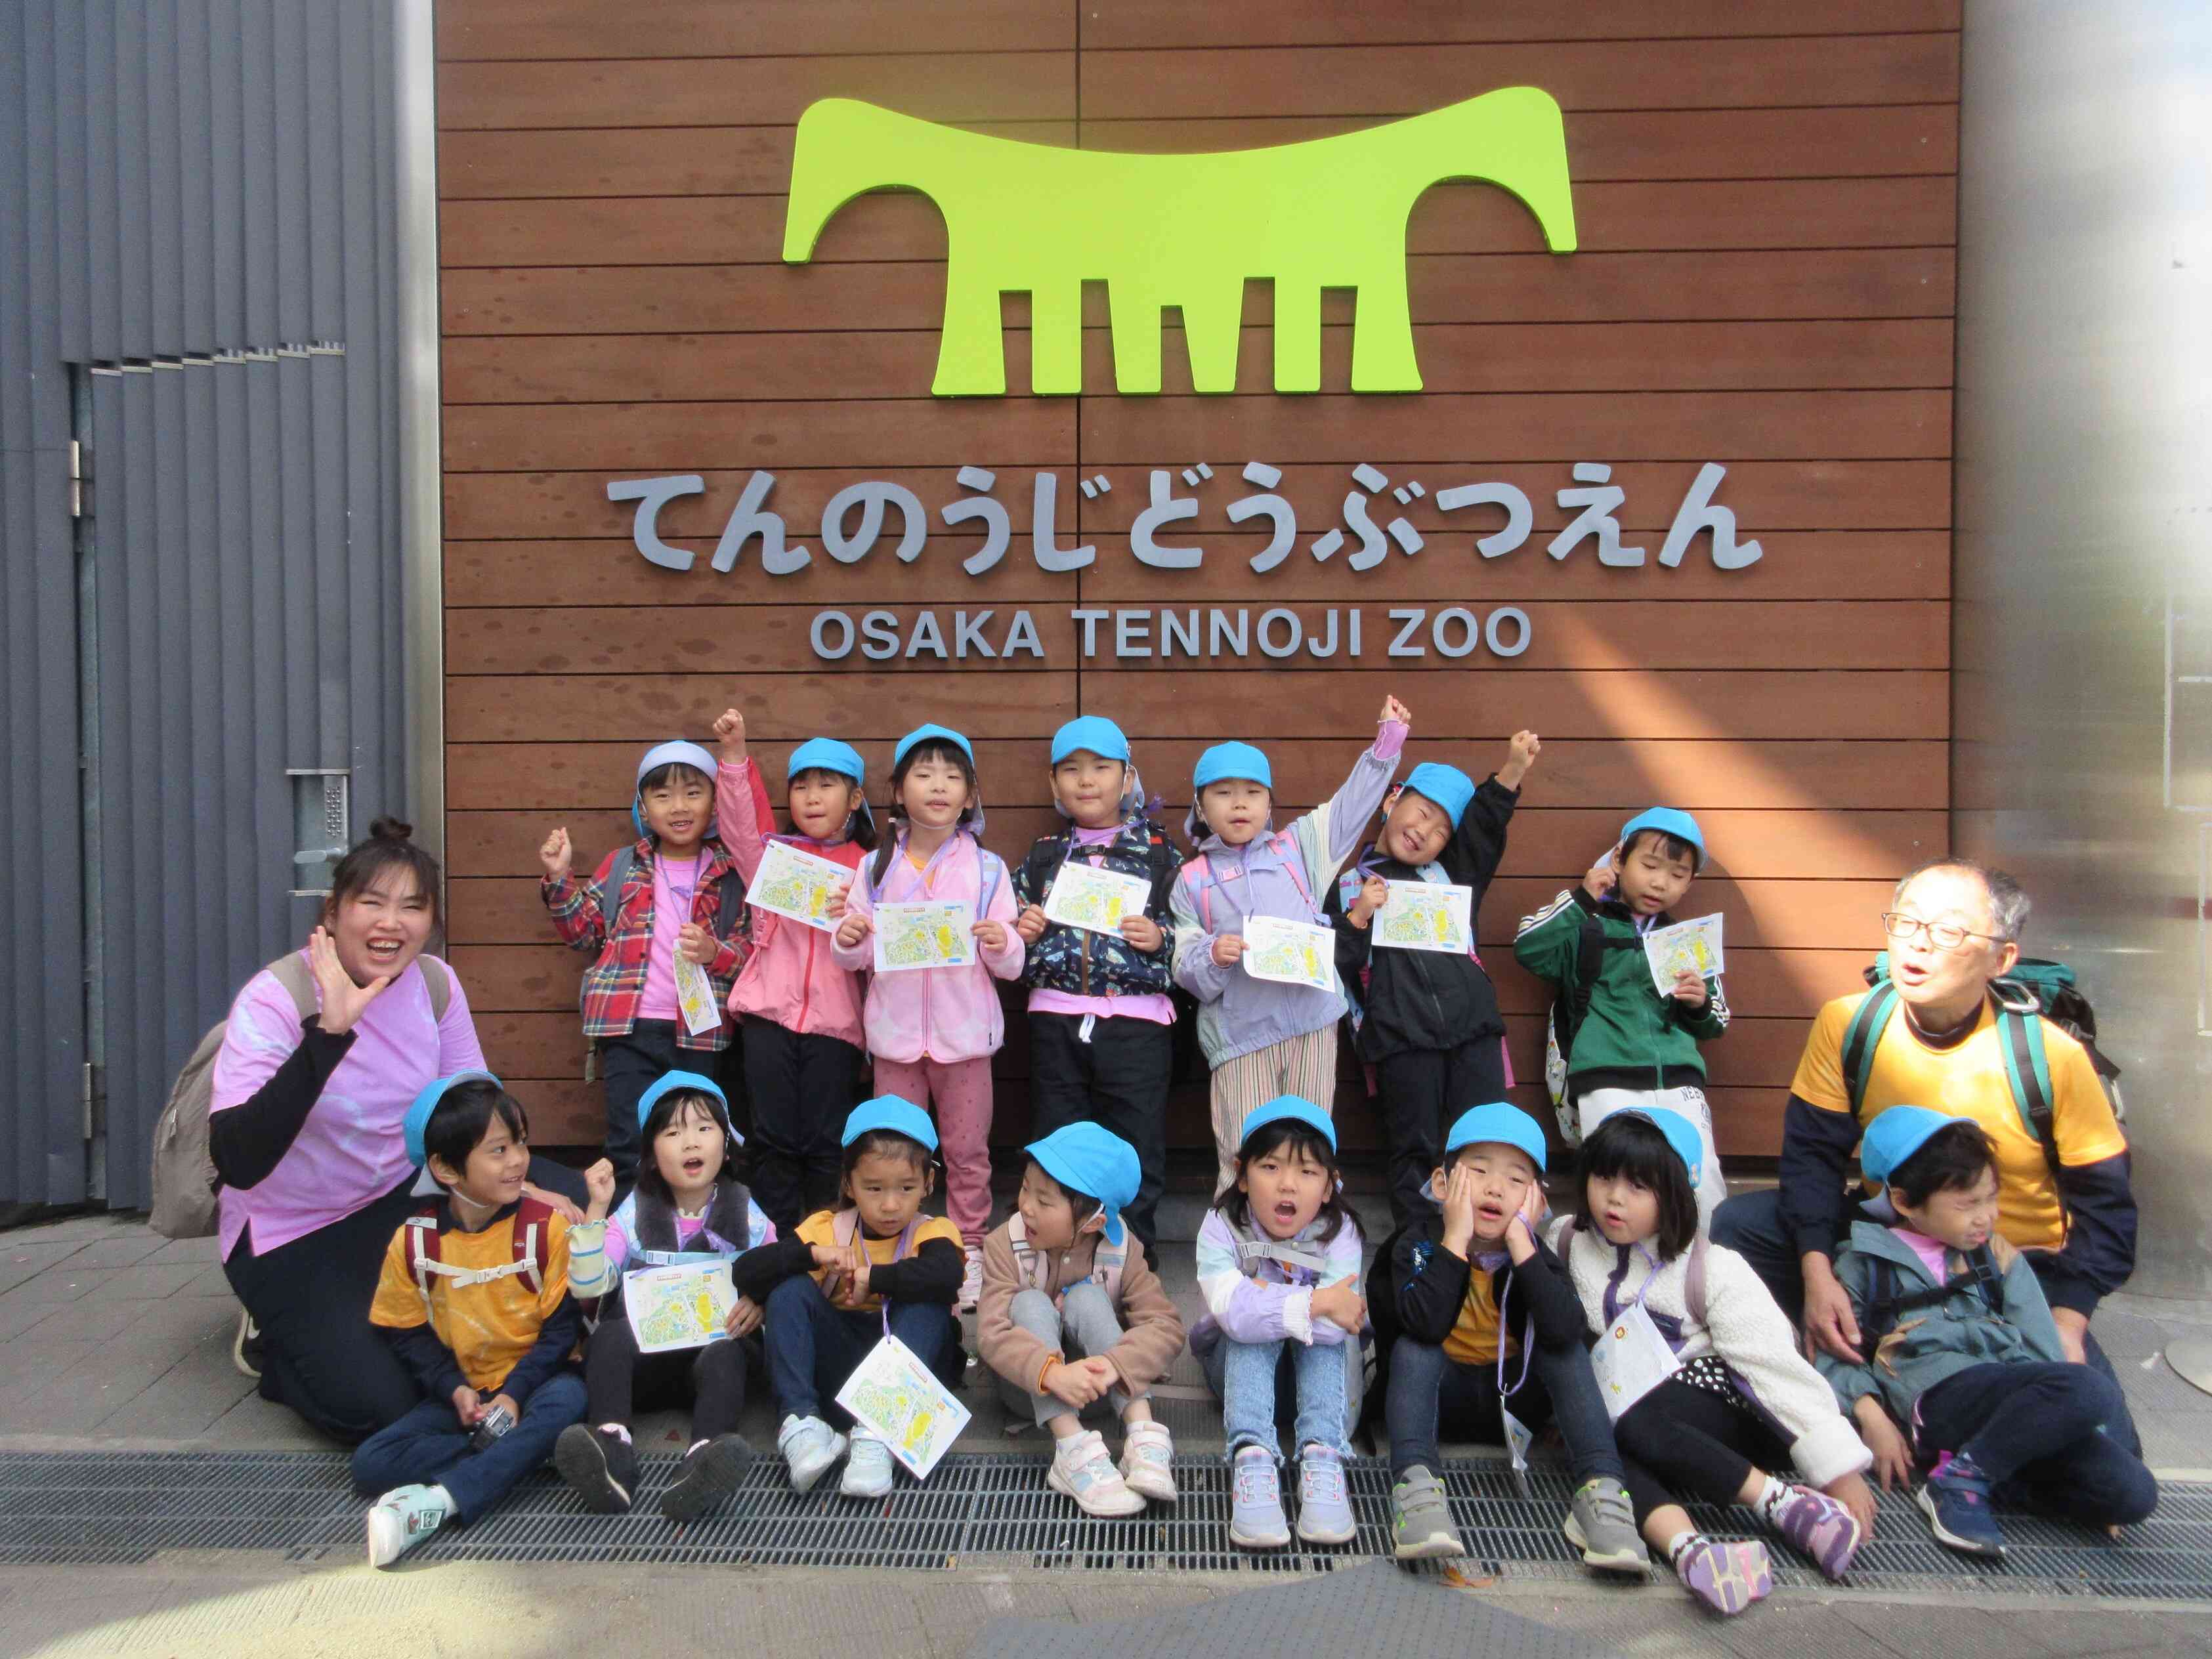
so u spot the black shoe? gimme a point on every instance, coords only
(708, 1474)
(600, 1465)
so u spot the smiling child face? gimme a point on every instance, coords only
(679, 810)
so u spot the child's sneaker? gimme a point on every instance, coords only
(599, 1465)
(868, 1470)
(1602, 1524)
(1257, 1520)
(1821, 1526)
(971, 1279)
(1147, 1466)
(1727, 1577)
(402, 1518)
(1324, 1508)
(1081, 1470)
(709, 1473)
(1420, 1519)
(1957, 1502)
(811, 1446)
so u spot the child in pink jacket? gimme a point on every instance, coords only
(798, 1008)
(932, 1030)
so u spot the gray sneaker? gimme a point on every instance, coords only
(1602, 1524)
(1257, 1520)
(1420, 1519)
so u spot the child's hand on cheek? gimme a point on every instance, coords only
(1520, 1238)
(1601, 880)
(1459, 1211)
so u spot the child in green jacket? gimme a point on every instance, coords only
(1631, 1047)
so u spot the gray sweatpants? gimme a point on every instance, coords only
(1083, 1326)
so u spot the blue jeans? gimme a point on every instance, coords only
(2045, 1429)
(1428, 1390)
(813, 1346)
(1325, 1379)
(1751, 1225)
(429, 1446)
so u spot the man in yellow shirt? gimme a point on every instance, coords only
(1954, 927)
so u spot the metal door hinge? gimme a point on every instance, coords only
(80, 475)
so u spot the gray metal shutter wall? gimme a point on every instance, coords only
(191, 196)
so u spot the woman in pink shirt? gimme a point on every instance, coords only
(324, 1052)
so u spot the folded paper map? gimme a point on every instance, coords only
(931, 934)
(897, 1399)
(1083, 896)
(1694, 945)
(798, 885)
(679, 1307)
(1290, 952)
(1424, 915)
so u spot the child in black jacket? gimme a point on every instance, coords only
(1443, 1294)
(1428, 1019)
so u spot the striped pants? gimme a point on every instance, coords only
(1302, 1065)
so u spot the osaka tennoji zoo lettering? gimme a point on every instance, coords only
(853, 522)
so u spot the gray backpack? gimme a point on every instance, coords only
(185, 1182)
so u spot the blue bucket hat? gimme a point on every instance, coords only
(418, 1115)
(662, 754)
(1088, 1159)
(1668, 821)
(669, 1083)
(1288, 1109)
(890, 1112)
(1682, 1136)
(1446, 786)
(1896, 1134)
(923, 733)
(1500, 1123)
(826, 755)
(1094, 733)
(1232, 760)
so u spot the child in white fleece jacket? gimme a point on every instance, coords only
(1709, 1393)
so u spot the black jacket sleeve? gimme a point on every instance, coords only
(556, 1338)
(1816, 1150)
(759, 1271)
(1477, 845)
(932, 1273)
(1426, 1296)
(247, 1141)
(428, 1361)
(2100, 1234)
(1542, 1285)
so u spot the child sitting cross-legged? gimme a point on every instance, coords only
(687, 1207)
(872, 1267)
(1071, 1313)
(1444, 1292)
(1958, 1342)
(474, 1299)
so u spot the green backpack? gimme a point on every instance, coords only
(2034, 991)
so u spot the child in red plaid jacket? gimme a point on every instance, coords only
(659, 913)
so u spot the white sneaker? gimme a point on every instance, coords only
(810, 1446)
(402, 1518)
(971, 1280)
(868, 1470)
(1082, 1470)
(1146, 1454)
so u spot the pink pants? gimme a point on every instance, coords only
(958, 1093)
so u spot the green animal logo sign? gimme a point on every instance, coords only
(1178, 230)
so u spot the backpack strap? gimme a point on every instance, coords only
(532, 1237)
(1885, 1303)
(439, 983)
(1201, 887)
(617, 877)
(2027, 1070)
(1285, 845)
(1109, 1265)
(994, 872)
(423, 1257)
(291, 971)
(1693, 1280)
(1862, 1037)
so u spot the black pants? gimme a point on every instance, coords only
(628, 1065)
(712, 1378)
(1119, 1081)
(1431, 1393)
(2046, 1429)
(803, 1088)
(1423, 1089)
(1750, 1224)
(1681, 1441)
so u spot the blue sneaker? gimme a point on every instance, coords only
(1956, 1500)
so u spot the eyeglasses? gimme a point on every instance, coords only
(1943, 935)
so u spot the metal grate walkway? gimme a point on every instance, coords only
(129, 1507)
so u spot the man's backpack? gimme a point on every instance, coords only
(2034, 992)
(185, 1182)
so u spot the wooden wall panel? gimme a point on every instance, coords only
(1766, 202)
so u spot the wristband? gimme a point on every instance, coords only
(1045, 1370)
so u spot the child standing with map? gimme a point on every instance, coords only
(1406, 929)
(671, 1242)
(1251, 942)
(799, 1007)
(1094, 916)
(932, 915)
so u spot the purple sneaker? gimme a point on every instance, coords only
(1822, 1527)
(1727, 1577)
